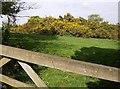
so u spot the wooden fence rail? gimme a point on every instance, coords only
(65, 64)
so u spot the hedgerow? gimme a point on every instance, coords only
(68, 25)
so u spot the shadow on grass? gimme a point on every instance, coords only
(39, 43)
(32, 42)
(34, 36)
(103, 84)
(109, 57)
(24, 38)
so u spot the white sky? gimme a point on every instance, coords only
(108, 9)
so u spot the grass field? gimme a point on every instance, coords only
(100, 51)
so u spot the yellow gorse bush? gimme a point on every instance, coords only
(79, 27)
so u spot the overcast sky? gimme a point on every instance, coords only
(108, 9)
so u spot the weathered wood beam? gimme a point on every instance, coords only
(79, 67)
(36, 79)
(12, 82)
(3, 61)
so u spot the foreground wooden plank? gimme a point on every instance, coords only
(79, 67)
(3, 61)
(12, 82)
(36, 79)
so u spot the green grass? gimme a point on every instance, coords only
(101, 51)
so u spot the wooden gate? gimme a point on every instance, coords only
(23, 57)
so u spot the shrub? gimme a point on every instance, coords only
(78, 27)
